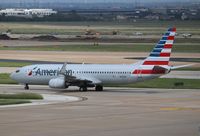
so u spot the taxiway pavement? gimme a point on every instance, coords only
(113, 112)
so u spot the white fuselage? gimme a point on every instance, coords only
(41, 74)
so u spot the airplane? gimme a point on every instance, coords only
(61, 76)
(186, 35)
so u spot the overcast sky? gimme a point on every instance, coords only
(94, 1)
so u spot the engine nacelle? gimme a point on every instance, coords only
(57, 83)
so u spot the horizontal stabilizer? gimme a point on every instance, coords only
(181, 66)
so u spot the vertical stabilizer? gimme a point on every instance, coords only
(160, 55)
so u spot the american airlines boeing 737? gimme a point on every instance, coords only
(62, 76)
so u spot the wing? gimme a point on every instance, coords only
(81, 81)
(77, 80)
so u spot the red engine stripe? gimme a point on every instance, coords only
(144, 71)
(155, 63)
(164, 54)
(170, 38)
(168, 46)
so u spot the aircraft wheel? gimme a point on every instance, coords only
(26, 87)
(83, 89)
(99, 88)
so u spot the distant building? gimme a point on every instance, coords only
(28, 13)
(184, 16)
(121, 17)
(152, 17)
(42, 12)
(159, 11)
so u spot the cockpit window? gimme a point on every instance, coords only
(17, 71)
(34, 68)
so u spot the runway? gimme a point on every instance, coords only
(113, 112)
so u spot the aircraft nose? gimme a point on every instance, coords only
(12, 76)
(15, 75)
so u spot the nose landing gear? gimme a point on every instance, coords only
(26, 87)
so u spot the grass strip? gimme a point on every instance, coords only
(13, 101)
(14, 64)
(5, 79)
(189, 69)
(21, 96)
(167, 83)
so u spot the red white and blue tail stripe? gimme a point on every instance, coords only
(160, 55)
(157, 62)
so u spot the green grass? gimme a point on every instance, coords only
(135, 47)
(189, 69)
(168, 83)
(5, 79)
(21, 96)
(13, 101)
(14, 64)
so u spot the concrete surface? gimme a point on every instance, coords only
(114, 112)
(47, 99)
(8, 69)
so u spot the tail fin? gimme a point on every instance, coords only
(160, 55)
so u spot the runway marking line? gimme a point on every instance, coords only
(176, 108)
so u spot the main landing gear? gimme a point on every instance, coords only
(26, 87)
(98, 88)
(83, 88)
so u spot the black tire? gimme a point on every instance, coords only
(99, 88)
(26, 87)
(83, 89)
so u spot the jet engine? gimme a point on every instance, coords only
(58, 82)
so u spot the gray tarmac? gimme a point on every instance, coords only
(113, 112)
